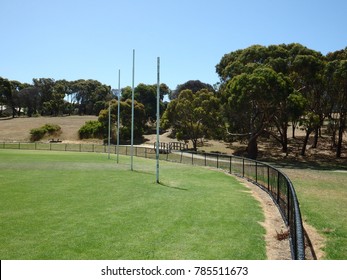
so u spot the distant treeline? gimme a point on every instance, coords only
(262, 90)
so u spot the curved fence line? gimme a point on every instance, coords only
(269, 178)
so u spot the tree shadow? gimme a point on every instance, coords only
(327, 164)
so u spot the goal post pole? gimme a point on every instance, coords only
(158, 118)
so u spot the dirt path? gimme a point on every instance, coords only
(275, 249)
(275, 227)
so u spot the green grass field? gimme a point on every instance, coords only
(323, 202)
(67, 205)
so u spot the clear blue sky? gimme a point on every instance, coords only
(84, 39)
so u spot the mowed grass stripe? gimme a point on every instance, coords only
(65, 205)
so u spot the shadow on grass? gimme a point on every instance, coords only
(322, 164)
(321, 158)
(147, 172)
(171, 187)
(315, 162)
(160, 183)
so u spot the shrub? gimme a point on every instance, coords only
(91, 129)
(39, 133)
(51, 128)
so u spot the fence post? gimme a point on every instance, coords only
(278, 187)
(192, 159)
(256, 171)
(288, 204)
(205, 159)
(230, 164)
(268, 178)
(217, 161)
(243, 167)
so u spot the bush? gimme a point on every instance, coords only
(91, 129)
(38, 133)
(51, 128)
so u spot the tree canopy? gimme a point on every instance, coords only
(193, 116)
(254, 101)
(265, 88)
(147, 95)
(48, 97)
(193, 85)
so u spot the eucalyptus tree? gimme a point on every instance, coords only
(307, 75)
(303, 99)
(89, 94)
(341, 104)
(56, 105)
(193, 116)
(16, 98)
(125, 119)
(45, 89)
(9, 96)
(193, 85)
(254, 103)
(255, 91)
(29, 100)
(147, 95)
(6, 96)
(336, 82)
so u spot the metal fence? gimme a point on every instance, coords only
(273, 181)
(270, 179)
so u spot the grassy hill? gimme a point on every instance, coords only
(18, 129)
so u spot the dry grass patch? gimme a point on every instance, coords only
(18, 129)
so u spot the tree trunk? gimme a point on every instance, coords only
(285, 143)
(316, 135)
(13, 107)
(340, 136)
(339, 143)
(293, 129)
(284, 138)
(252, 148)
(195, 144)
(303, 150)
(333, 139)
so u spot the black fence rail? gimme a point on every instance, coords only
(269, 178)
